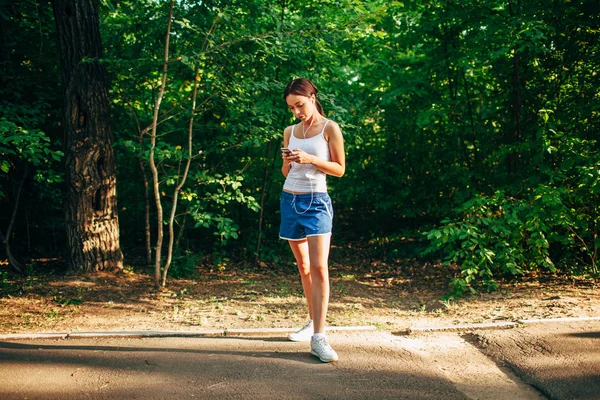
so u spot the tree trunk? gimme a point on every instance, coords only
(152, 162)
(263, 199)
(90, 173)
(183, 179)
(12, 261)
(147, 228)
(142, 165)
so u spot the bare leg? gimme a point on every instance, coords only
(318, 251)
(301, 253)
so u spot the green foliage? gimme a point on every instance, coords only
(219, 192)
(29, 150)
(244, 52)
(493, 237)
(31, 146)
(184, 264)
(30, 136)
(499, 236)
(476, 121)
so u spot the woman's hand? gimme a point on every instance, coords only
(287, 157)
(299, 156)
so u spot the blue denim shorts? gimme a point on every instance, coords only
(304, 215)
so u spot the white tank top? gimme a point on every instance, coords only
(306, 178)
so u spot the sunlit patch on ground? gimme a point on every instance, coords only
(389, 296)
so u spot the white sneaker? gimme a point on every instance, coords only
(320, 347)
(303, 334)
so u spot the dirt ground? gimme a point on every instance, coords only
(389, 296)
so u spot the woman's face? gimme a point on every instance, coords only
(301, 106)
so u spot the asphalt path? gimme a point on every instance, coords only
(560, 359)
(537, 361)
(216, 368)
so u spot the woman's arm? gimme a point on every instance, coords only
(337, 165)
(287, 161)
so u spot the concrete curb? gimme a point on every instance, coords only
(489, 326)
(283, 331)
(33, 336)
(143, 334)
(549, 320)
(182, 334)
(457, 328)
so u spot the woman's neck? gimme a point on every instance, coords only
(314, 120)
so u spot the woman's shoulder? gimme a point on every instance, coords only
(293, 126)
(332, 128)
(289, 129)
(332, 124)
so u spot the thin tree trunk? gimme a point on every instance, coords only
(263, 198)
(183, 179)
(147, 228)
(92, 222)
(268, 166)
(594, 214)
(157, 198)
(181, 230)
(12, 261)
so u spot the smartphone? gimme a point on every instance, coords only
(285, 150)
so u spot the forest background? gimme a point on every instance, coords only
(470, 129)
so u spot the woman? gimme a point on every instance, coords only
(313, 148)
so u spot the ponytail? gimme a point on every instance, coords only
(319, 107)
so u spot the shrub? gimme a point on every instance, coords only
(496, 236)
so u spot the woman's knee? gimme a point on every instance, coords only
(319, 272)
(304, 269)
